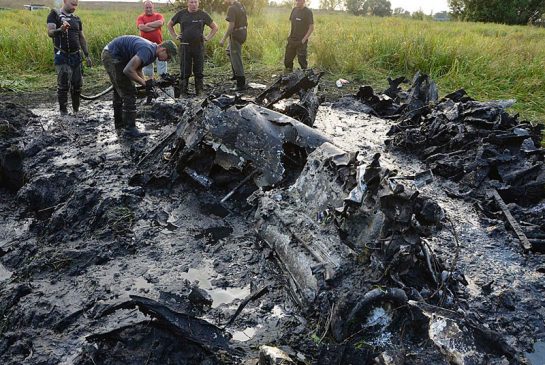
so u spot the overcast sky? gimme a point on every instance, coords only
(426, 6)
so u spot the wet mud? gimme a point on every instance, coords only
(116, 251)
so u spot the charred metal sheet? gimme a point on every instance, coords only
(289, 85)
(196, 330)
(252, 135)
(306, 108)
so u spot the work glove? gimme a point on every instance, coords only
(150, 91)
(150, 88)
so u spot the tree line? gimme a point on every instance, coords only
(497, 11)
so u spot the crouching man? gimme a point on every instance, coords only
(123, 58)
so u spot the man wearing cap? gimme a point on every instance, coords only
(149, 23)
(66, 29)
(237, 32)
(123, 58)
(302, 26)
(192, 21)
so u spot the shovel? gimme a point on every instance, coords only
(420, 179)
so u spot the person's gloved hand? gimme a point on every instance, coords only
(150, 84)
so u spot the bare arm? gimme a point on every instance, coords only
(52, 28)
(133, 70)
(228, 32)
(213, 31)
(170, 27)
(309, 32)
(150, 27)
(83, 43)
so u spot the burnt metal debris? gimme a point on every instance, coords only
(363, 254)
(477, 145)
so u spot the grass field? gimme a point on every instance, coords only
(490, 61)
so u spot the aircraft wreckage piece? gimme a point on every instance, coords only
(288, 85)
(211, 338)
(252, 137)
(309, 252)
(306, 108)
(363, 203)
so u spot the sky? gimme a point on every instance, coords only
(427, 6)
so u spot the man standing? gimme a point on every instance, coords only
(191, 36)
(149, 23)
(237, 32)
(302, 26)
(123, 59)
(66, 29)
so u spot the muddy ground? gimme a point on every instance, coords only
(79, 240)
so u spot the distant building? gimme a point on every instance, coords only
(441, 17)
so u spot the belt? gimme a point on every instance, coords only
(240, 28)
(63, 51)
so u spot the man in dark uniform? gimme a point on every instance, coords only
(302, 26)
(192, 21)
(123, 59)
(237, 32)
(66, 30)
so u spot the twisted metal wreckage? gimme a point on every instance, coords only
(352, 237)
(349, 234)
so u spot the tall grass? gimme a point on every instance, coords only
(490, 61)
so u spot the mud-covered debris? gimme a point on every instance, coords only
(11, 168)
(306, 108)
(393, 102)
(210, 338)
(269, 355)
(246, 139)
(288, 85)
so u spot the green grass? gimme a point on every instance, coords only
(490, 61)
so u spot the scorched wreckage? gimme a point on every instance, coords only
(379, 228)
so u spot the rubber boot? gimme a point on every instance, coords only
(183, 88)
(62, 95)
(118, 117)
(199, 86)
(129, 119)
(75, 101)
(241, 84)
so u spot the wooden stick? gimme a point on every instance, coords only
(526, 245)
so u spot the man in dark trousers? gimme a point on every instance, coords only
(66, 29)
(192, 21)
(123, 59)
(302, 26)
(237, 32)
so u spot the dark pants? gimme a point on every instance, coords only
(295, 48)
(191, 60)
(69, 77)
(235, 56)
(124, 90)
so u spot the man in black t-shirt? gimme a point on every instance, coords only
(66, 30)
(192, 21)
(302, 26)
(237, 32)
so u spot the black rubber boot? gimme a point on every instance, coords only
(241, 84)
(129, 119)
(62, 95)
(118, 117)
(199, 86)
(75, 101)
